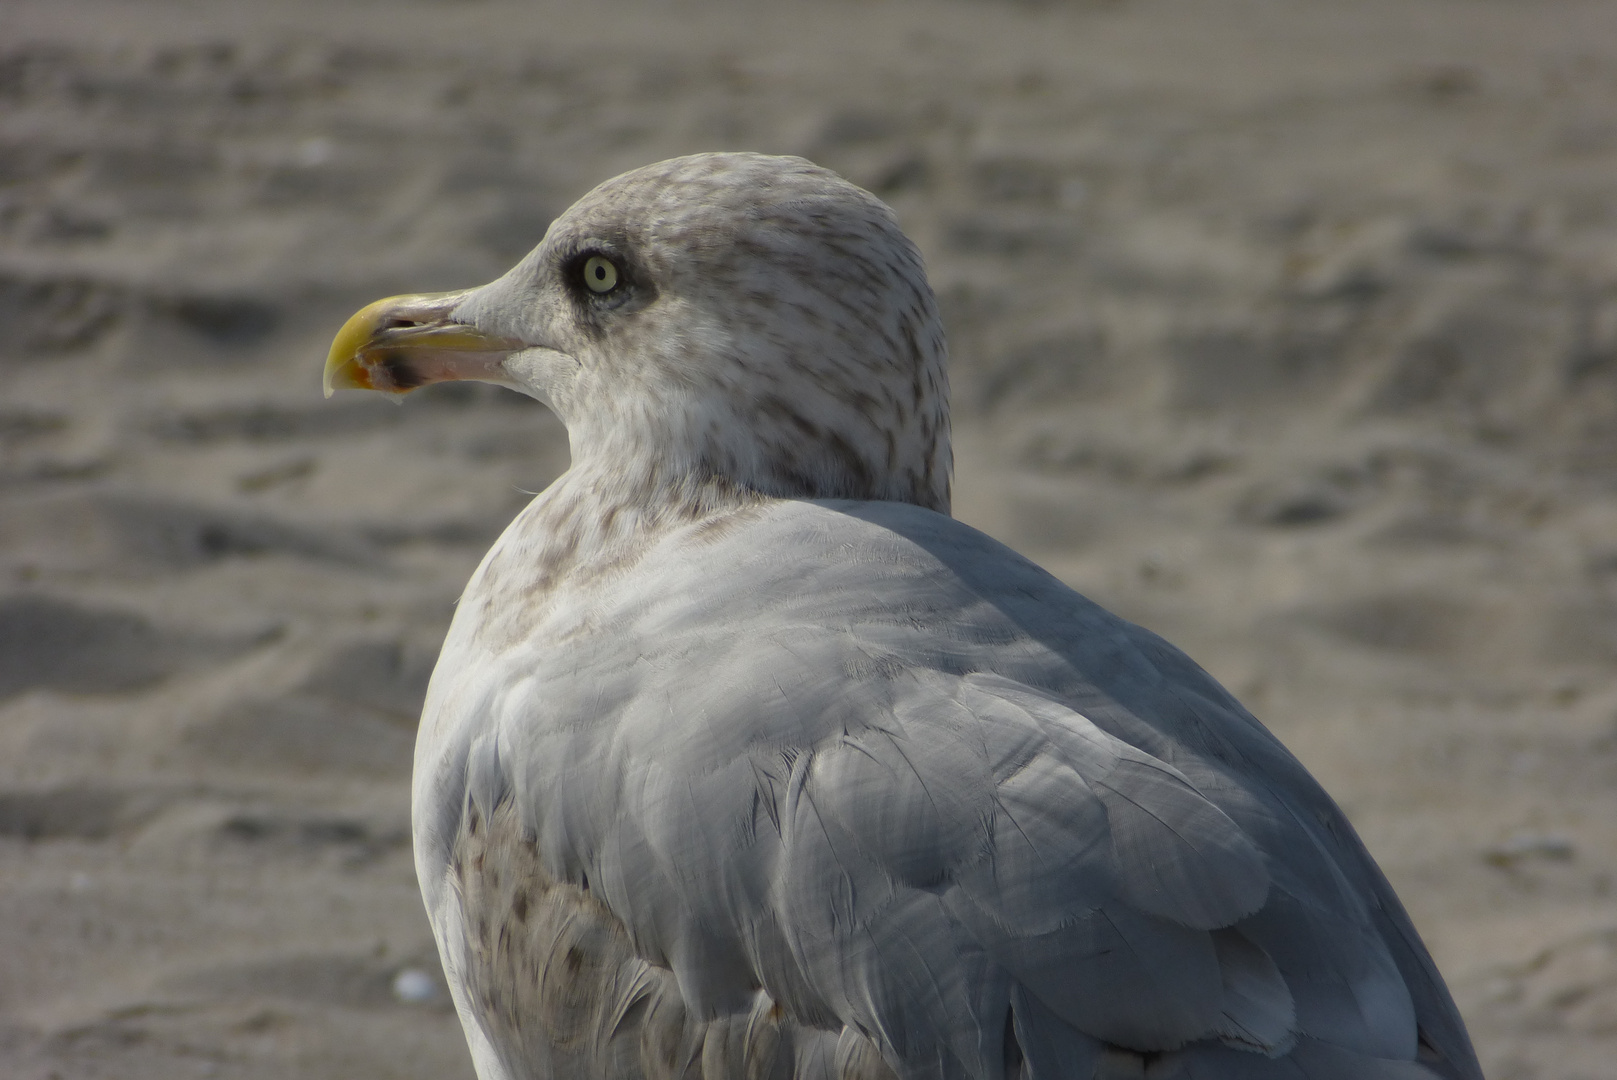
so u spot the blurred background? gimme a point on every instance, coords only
(1288, 329)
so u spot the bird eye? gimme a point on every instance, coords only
(600, 274)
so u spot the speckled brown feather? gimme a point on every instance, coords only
(557, 984)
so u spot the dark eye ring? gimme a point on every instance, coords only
(600, 274)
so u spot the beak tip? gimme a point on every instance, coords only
(336, 376)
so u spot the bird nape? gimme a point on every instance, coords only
(743, 758)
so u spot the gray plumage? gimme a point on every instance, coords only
(743, 759)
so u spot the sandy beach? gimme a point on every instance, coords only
(1288, 330)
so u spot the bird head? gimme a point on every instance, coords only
(756, 319)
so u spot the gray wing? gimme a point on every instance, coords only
(866, 766)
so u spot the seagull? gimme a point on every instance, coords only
(743, 758)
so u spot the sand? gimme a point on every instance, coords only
(1286, 329)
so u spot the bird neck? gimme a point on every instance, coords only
(594, 521)
(667, 442)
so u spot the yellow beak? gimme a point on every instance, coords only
(403, 342)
